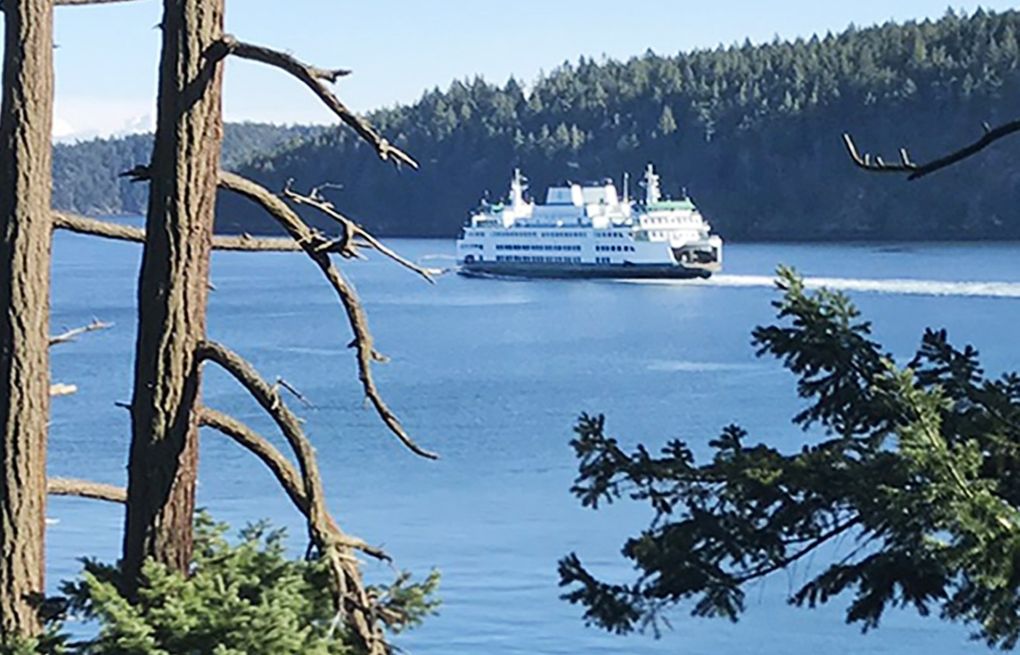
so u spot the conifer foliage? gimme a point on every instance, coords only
(917, 468)
(248, 598)
(752, 131)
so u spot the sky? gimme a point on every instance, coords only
(106, 55)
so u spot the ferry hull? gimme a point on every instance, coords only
(587, 271)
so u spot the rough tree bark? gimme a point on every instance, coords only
(25, 189)
(173, 287)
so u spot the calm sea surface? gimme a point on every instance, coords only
(492, 375)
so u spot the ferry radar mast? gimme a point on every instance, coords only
(651, 184)
(517, 187)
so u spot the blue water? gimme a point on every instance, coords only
(492, 375)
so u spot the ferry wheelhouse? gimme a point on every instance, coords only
(588, 230)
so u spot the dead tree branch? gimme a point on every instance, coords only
(282, 469)
(77, 3)
(106, 229)
(351, 597)
(313, 78)
(294, 392)
(915, 170)
(316, 200)
(96, 227)
(313, 242)
(71, 335)
(86, 489)
(248, 243)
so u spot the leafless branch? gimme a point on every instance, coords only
(285, 473)
(351, 596)
(96, 227)
(313, 78)
(248, 243)
(316, 200)
(294, 392)
(106, 229)
(86, 489)
(312, 243)
(66, 3)
(137, 173)
(77, 3)
(71, 335)
(906, 165)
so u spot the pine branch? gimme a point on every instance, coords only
(781, 563)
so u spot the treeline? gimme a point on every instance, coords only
(86, 174)
(753, 132)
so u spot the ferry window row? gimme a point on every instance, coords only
(515, 233)
(552, 235)
(614, 248)
(470, 246)
(537, 259)
(518, 246)
(612, 235)
(686, 219)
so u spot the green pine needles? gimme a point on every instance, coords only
(919, 469)
(247, 598)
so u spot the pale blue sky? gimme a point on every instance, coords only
(106, 59)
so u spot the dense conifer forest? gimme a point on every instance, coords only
(751, 131)
(86, 174)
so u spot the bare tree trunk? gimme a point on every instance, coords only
(25, 189)
(173, 288)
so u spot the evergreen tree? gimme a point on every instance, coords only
(748, 121)
(667, 124)
(917, 466)
(243, 599)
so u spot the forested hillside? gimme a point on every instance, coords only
(86, 174)
(752, 131)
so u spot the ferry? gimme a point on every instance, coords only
(589, 231)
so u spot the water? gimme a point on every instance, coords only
(492, 374)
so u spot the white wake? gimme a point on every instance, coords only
(895, 286)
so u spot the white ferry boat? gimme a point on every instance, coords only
(589, 231)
